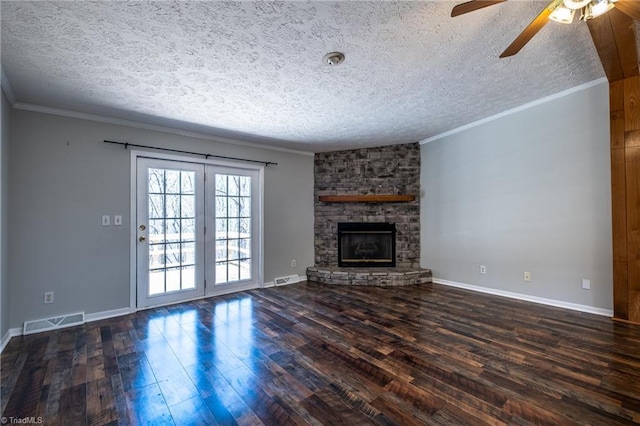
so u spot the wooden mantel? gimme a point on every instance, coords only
(367, 198)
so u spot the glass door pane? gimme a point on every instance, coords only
(170, 231)
(233, 254)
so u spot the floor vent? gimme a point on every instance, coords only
(291, 279)
(47, 324)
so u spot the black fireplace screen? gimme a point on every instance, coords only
(367, 244)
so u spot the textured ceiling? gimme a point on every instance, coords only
(253, 70)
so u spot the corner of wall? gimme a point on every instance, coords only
(5, 111)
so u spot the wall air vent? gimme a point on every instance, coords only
(291, 279)
(55, 323)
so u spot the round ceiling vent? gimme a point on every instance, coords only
(333, 58)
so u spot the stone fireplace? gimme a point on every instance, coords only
(368, 186)
(388, 170)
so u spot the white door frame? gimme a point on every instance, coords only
(135, 154)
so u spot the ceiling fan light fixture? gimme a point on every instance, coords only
(596, 8)
(586, 13)
(600, 7)
(575, 4)
(562, 14)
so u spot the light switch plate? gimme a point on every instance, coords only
(117, 220)
(106, 220)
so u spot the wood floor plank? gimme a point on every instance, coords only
(12, 365)
(398, 411)
(24, 398)
(135, 371)
(220, 397)
(328, 410)
(73, 406)
(101, 402)
(147, 406)
(312, 354)
(192, 411)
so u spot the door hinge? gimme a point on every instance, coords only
(205, 230)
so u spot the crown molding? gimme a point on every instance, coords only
(511, 111)
(148, 126)
(6, 88)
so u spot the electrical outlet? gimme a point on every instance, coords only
(48, 297)
(586, 284)
(483, 269)
(293, 263)
(527, 276)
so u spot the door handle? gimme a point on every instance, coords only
(142, 238)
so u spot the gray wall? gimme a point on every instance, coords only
(526, 192)
(5, 111)
(64, 178)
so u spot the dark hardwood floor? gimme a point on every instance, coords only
(313, 354)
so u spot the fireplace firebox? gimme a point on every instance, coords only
(366, 244)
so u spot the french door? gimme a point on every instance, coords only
(197, 230)
(233, 229)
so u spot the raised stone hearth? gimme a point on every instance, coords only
(379, 277)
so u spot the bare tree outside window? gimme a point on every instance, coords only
(233, 228)
(171, 230)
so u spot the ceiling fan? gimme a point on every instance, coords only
(562, 11)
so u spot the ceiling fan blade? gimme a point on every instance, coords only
(472, 5)
(629, 7)
(528, 33)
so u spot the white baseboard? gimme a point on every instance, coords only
(528, 298)
(97, 316)
(12, 332)
(222, 290)
(5, 340)
(273, 283)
